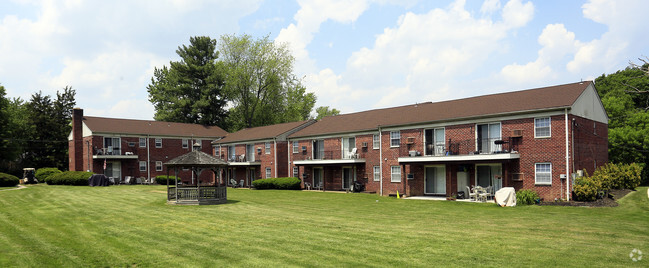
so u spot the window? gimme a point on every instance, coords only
(488, 134)
(349, 144)
(542, 127)
(268, 148)
(185, 143)
(142, 142)
(376, 141)
(296, 147)
(112, 146)
(200, 144)
(158, 143)
(395, 174)
(158, 165)
(543, 173)
(395, 138)
(142, 165)
(318, 149)
(268, 173)
(232, 156)
(377, 173)
(296, 172)
(250, 153)
(434, 142)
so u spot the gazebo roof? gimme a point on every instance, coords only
(196, 159)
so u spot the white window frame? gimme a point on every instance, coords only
(200, 143)
(537, 173)
(158, 142)
(142, 165)
(158, 165)
(296, 172)
(268, 172)
(296, 147)
(395, 136)
(395, 176)
(267, 148)
(185, 143)
(376, 141)
(377, 173)
(549, 127)
(143, 142)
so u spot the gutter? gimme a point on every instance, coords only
(275, 154)
(380, 162)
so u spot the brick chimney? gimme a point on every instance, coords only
(76, 144)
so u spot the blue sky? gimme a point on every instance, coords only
(355, 55)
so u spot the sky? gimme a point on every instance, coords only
(354, 55)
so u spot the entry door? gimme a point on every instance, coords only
(490, 175)
(251, 174)
(114, 169)
(317, 177)
(462, 181)
(435, 180)
(348, 177)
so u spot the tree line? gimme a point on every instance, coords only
(236, 82)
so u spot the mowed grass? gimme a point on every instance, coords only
(133, 226)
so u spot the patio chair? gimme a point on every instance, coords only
(472, 195)
(352, 154)
(241, 183)
(307, 186)
(318, 186)
(233, 183)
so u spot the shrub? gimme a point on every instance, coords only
(526, 197)
(586, 188)
(42, 173)
(8, 180)
(619, 176)
(77, 178)
(287, 183)
(162, 179)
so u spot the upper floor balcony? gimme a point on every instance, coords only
(112, 152)
(243, 160)
(320, 157)
(462, 150)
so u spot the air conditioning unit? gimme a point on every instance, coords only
(516, 133)
(364, 144)
(410, 140)
(258, 150)
(303, 148)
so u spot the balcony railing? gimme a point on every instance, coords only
(242, 159)
(463, 147)
(112, 152)
(329, 155)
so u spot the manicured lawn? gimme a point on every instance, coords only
(132, 226)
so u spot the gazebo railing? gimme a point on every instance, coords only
(197, 194)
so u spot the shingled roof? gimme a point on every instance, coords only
(553, 97)
(265, 132)
(195, 159)
(148, 127)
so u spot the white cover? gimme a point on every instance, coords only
(506, 197)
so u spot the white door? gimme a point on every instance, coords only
(462, 181)
(435, 180)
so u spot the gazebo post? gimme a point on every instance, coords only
(176, 174)
(168, 185)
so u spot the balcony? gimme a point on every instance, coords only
(329, 157)
(464, 150)
(243, 160)
(112, 153)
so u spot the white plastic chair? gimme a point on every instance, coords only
(472, 195)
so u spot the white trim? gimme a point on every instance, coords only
(335, 135)
(244, 163)
(549, 127)
(185, 143)
(156, 142)
(445, 179)
(379, 140)
(269, 172)
(328, 161)
(122, 156)
(266, 147)
(398, 145)
(535, 174)
(453, 158)
(156, 166)
(392, 174)
(140, 166)
(295, 146)
(423, 132)
(140, 142)
(135, 135)
(374, 173)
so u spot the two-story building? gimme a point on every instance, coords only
(134, 148)
(532, 139)
(257, 153)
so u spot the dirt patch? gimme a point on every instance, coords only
(608, 201)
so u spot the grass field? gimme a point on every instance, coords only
(133, 226)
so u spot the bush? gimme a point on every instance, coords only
(162, 179)
(8, 180)
(43, 173)
(526, 197)
(586, 188)
(287, 183)
(77, 178)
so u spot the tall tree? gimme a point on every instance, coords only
(625, 95)
(190, 90)
(323, 111)
(7, 152)
(261, 84)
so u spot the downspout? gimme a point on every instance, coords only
(380, 162)
(275, 154)
(567, 157)
(148, 160)
(288, 158)
(89, 155)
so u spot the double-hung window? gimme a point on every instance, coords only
(158, 143)
(376, 141)
(395, 138)
(267, 149)
(395, 174)
(296, 147)
(185, 143)
(542, 127)
(377, 173)
(158, 165)
(142, 142)
(543, 173)
(142, 165)
(296, 170)
(268, 173)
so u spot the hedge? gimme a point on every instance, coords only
(287, 183)
(8, 180)
(78, 178)
(607, 177)
(162, 179)
(43, 173)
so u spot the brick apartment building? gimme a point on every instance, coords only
(257, 153)
(531, 139)
(134, 148)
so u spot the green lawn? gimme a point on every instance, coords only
(133, 226)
